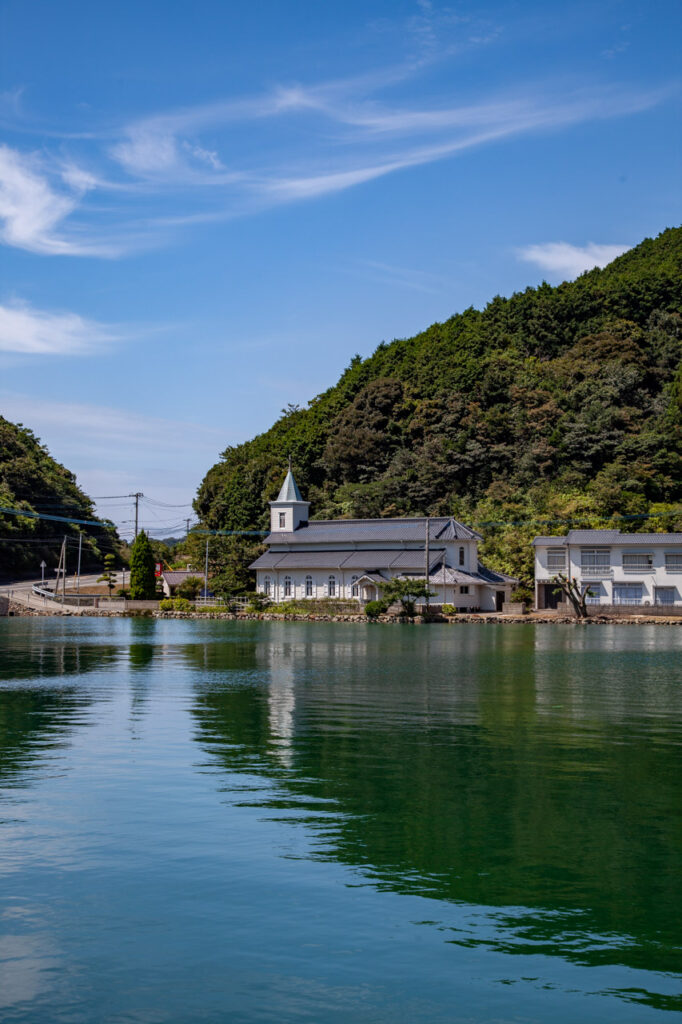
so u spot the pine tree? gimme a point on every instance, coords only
(109, 574)
(142, 567)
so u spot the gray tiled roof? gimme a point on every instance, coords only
(483, 575)
(609, 537)
(177, 576)
(345, 531)
(362, 560)
(492, 576)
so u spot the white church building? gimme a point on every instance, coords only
(350, 559)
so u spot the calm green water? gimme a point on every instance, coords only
(325, 823)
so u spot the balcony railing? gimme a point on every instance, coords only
(595, 570)
(638, 567)
(627, 600)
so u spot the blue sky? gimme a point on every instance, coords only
(207, 208)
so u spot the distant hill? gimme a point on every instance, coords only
(559, 403)
(31, 480)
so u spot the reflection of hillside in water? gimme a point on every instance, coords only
(504, 769)
(38, 717)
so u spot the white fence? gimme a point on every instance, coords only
(239, 602)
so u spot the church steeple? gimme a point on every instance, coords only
(289, 510)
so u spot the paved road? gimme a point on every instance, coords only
(22, 593)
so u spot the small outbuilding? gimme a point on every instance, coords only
(171, 580)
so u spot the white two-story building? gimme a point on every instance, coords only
(352, 558)
(615, 568)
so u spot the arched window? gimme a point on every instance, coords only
(267, 586)
(287, 586)
(308, 586)
(354, 590)
(332, 586)
(461, 556)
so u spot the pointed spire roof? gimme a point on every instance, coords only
(289, 491)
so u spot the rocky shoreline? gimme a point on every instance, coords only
(479, 618)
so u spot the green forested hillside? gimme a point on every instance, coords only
(560, 404)
(31, 480)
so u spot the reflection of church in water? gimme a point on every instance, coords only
(353, 558)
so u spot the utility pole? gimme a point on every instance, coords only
(428, 559)
(187, 527)
(62, 568)
(206, 572)
(137, 495)
(78, 575)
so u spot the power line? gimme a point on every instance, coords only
(57, 519)
(586, 516)
(165, 504)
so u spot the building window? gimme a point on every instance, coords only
(592, 592)
(665, 595)
(461, 556)
(556, 559)
(354, 589)
(464, 590)
(282, 520)
(627, 593)
(287, 586)
(596, 560)
(332, 586)
(673, 561)
(641, 561)
(308, 586)
(267, 586)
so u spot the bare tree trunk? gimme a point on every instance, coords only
(572, 590)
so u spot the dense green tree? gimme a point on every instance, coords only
(142, 569)
(32, 481)
(190, 588)
(406, 591)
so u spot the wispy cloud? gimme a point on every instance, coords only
(560, 259)
(101, 444)
(39, 332)
(32, 213)
(199, 164)
(401, 277)
(96, 423)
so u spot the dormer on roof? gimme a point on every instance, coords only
(289, 510)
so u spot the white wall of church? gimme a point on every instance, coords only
(317, 585)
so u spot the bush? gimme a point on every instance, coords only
(524, 594)
(176, 604)
(449, 609)
(190, 587)
(316, 606)
(373, 609)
